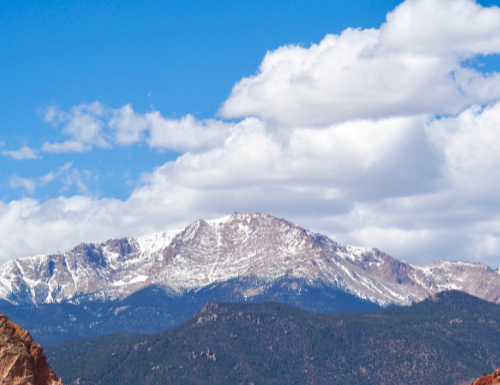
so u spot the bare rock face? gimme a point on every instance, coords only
(21, 359)
(492, 379)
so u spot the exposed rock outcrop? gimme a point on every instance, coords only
(21, 359)
(492, 379)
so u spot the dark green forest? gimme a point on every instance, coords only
(447, 339)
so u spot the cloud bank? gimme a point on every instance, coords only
(412, 65)
(382, 137)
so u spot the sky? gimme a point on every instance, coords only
(376, 123)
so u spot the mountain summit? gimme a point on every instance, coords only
(244, 245)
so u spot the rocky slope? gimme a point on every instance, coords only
(257, 246)
(492, 379)
(21, 359)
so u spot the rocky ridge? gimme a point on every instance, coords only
(241, 245)
(21, 359)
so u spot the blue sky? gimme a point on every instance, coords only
(120, 118)
(177, 57)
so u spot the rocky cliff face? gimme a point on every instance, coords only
(21, 359)
(250, 245)
(492, 379)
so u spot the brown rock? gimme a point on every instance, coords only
(21, 359)
(492, 379)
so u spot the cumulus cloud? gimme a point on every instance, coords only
(349, 180)
(96, 125)
(297, 174)
(412, 65)
(83, 124)
(470, 143)
(23, 153)
(180, 135)
(128, 125)
(443, 27)
(419, 188)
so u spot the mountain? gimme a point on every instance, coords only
(256, 246)
(492, 379)
(21, 359)
(449, 338)
(154, 282)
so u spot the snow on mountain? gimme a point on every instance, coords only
(240, 245)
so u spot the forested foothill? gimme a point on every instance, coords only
(449, 338)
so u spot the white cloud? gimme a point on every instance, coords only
(299, 174)
(393, 183)
(98, 125)
(186, 134)
(17, 182)
(412, 65)
(181, 135)
(129, 126)
(51, 176)
(470, 143)
(23, 153)
(80, 180)
(83, 124)
(295, 173)
(30, 184)
(441, 27)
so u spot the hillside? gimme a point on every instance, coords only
(449, 338)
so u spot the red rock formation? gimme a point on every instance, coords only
(21, 359)
(492, 379)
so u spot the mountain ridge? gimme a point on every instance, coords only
(239, 245)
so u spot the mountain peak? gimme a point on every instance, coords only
(253, 245)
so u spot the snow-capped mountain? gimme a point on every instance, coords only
(252, 245)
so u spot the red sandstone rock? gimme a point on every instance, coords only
(492, 379)
(21, 359)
